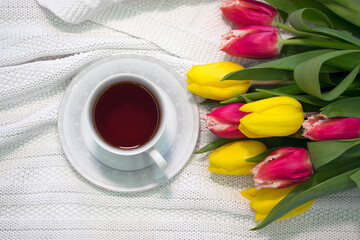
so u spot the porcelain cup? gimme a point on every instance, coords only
(125, 159)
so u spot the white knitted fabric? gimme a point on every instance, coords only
(42, 197)
(76, 11)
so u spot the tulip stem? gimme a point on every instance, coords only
(297, 32)
(319, 43)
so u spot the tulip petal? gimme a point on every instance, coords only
(228, 114)
(230, 158)
(281, 110)
(249, 134)
(267, 198)
(277, 116)
(268, 125)
(282, 168)
(224, 121)
(238, 171)
(263, 200)
(265, 104)
(259, 216)
(205, 80)
(293, 213)
(212, 74)
(218, 93)
(320, 127)
(249, 12)
(257, 42)
(223, 130)
(297, 211)
(250, 193)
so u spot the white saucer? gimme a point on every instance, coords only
(181, 138)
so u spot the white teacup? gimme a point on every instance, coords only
(117, 158)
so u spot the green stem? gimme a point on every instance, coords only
(319, 43)
(294, 31)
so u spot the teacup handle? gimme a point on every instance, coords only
(158, 159)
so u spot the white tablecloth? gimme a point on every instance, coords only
(43, 197)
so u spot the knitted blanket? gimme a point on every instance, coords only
(43, 45)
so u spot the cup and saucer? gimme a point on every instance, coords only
(135, 168)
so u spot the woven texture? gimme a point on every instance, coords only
(42, 197)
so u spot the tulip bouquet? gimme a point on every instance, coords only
(300, 139)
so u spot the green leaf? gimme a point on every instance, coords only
(356, 178)
(351, 155)
(346, 61)
(277, 69)
(289, 50)
(306, 75)
(289, 63)
(290, 89)
(209, 101)
(324, 152)
(347, 9)
(290, 6)
(342, 86)
(283, 15)
(217, 143)
(297, 21)
(289, 141)
(244, 98)
(348, 107)
(269, 142)
(303, 98)
(261, 156)
(325, 78)
(336, 78)
(318, 16)
(252, 96)
(351, 92)
(256, 73)
(319, 185)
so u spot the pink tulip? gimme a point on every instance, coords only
(257, 42)
(282, 168)
(224, 121)
(320, 127)
(249, 12)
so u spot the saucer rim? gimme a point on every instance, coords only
(164, 178)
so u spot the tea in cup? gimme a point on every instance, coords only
(124, 117)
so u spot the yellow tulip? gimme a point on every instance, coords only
(230, 158)
(264, 199)
(205, 81)
(277, 116)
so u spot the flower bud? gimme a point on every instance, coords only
(276, 116)
(249, 12)
(265, 199)
(257, 42)
(224, 121)
(282, 168)
(230, 158)
(320, 127)
(205, 81)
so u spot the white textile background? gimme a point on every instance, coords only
(42, 197)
